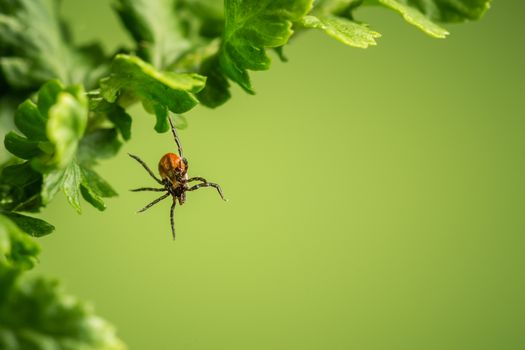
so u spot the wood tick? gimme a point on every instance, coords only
(173, 170)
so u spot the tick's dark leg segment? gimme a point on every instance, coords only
(146, 167)
(185, 161)
(208, 184)
(177, 141)
(154, 202)
(197, 179)
(172, 218)
(148, 189)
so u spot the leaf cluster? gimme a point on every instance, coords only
(35, 313)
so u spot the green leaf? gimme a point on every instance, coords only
(66, 124)
(21, 146)
(92, 198)
(251, 27)
(32, 226)
(448, 11)
(20, 187)
(342, 29)
(71, 185)
(132, 77)
(413, 16)
(68, 180)
(17, 249)
(156, 28)
(40, 49)
(217, 89)
(48, 97)
(30, 121)
(96, 183)
(94, 188)
(75, 181)
(36, 313)
(423, 13)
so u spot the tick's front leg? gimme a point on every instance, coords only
(146, 167)
(153, 203)
(196, 178)
(148, 189)
(172, 218)
(208, 184)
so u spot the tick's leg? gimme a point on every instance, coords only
(145, 167)
(154, 202)
(176, 137)
(185, 161)
(172, 218)
(197, 179)
(148, 189)
(208, 184)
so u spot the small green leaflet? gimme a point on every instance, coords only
(156, 27)
(450, 11)
(159, 92)
(423, 13)
(75, 181)
(68, 180)
(251, 27)
(66, 125)
(413, 16)
(94, 188)
(342, 29)
(20, 185)
(32, 226)
(17, 250)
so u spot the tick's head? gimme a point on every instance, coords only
(172, 167)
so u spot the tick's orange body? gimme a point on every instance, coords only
(172, 167)
(173, 170)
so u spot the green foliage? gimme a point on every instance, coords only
(56, 146)
(38, 47)
(17, 250)
(156, 28)
(449, 11)
(35, 313)
(342, 29)
(32, 226)
(426, 14)
(52, 127)
(72, 112)
(251, 27)
(335, 18)
(414, 16)
(159, 92)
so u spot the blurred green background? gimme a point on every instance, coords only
(377, 201)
